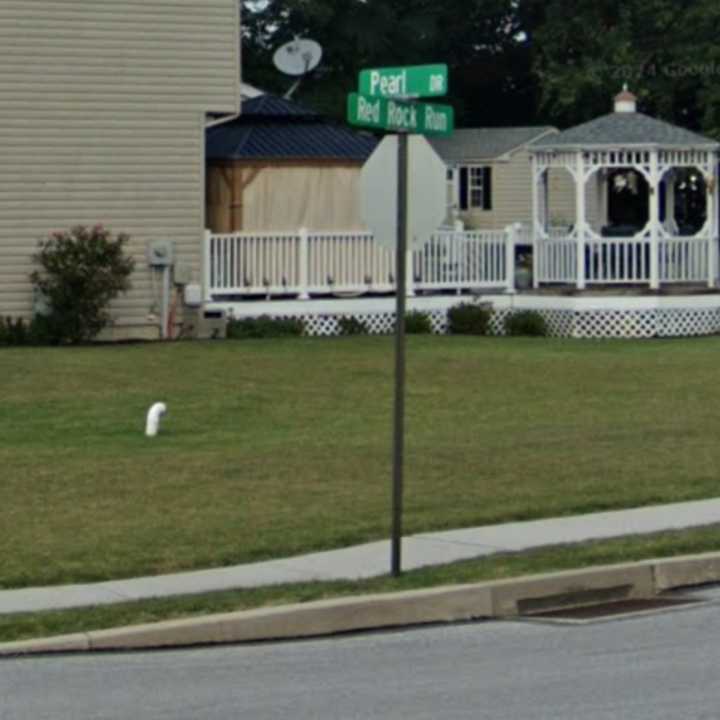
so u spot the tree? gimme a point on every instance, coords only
(490, 68)
(664, 50)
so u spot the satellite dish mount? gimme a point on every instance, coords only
(297, 58)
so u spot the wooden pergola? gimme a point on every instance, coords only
(625, 148)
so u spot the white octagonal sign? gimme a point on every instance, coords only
(427, 191)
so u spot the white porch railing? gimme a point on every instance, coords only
(462, 260)
(326, 262)
(623, 260)
(557, 258)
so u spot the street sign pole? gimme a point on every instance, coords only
(385, 102)
(399, 416)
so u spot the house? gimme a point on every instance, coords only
(102, 120)
(488, 176)
(280, 166)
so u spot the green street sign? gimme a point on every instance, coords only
(405, 82)
(400, 116)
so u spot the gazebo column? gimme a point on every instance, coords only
(654, 221)
(670, 201)
(603, 200)
(712, 210)
(580, 211)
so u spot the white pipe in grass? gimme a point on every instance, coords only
(152, 425)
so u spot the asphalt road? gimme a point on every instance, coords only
(665, 666)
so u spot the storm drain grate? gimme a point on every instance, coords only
(600, 611)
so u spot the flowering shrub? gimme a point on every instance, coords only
(82, 270)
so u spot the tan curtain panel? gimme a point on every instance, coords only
(318, 198)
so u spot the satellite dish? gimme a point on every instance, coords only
(297, 57)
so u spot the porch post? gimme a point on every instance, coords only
(534, 224)
(303, 263)
(654, 221)
(580, 211)
(409, 272)
(207, 270)
(511, 234)
(714, 218)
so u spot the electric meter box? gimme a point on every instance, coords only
(193, 295)
(161, 253)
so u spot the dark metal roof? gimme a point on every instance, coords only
(271, 106)
(622, 129)
(272, 128)
(475, 144)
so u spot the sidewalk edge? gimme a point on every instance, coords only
(485, 600)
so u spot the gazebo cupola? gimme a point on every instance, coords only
(625, 102)
(645, 207)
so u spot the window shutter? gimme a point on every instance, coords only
(463, 188)
(487, 188)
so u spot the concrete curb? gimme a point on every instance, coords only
(495, 599)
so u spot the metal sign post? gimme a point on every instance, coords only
(382, 104)
(399, 416)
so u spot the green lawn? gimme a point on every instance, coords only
(276, 447)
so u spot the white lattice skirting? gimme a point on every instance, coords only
(590, 318)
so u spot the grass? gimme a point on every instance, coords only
(277, 447)
(46, 624)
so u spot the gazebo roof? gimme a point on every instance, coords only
(622, 129)
(272, 128)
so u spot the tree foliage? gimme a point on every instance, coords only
(489, 69)
(664, 50)
(512, 62)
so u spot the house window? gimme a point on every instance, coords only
(475, 187)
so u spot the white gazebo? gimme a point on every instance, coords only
(627, 168)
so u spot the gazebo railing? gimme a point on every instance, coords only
(623, 260)
(684, 259)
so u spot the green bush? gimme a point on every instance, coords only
(350, 325)
(418, 323)
(469, 319)
(264, 327)
(16, 332)
(526, 322)
(13, 332)
(81, 271)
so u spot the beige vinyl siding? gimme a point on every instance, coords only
(511, 194)
(102, 120)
